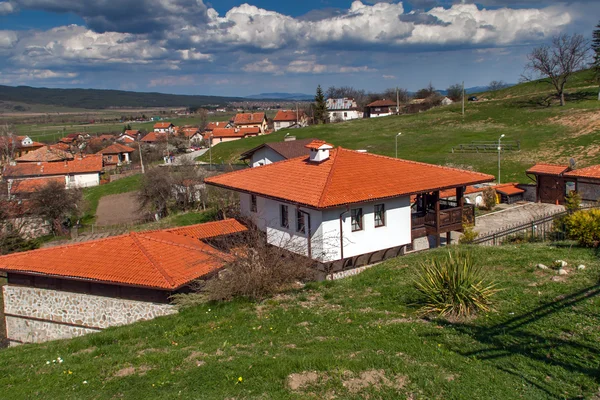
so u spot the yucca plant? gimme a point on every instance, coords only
(453, 285)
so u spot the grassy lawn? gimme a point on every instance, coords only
(548, 134)
(92, 195)
(361, 336)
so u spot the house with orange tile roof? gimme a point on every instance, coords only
(78, 172)
(45, 154)
(268, 153)
(12, 147)
(66, 291)
(129, 136)
(251, 120)
(218, 124)
(164, 127)
(192, 134)
(116, 154)
(343, 205)
(154, 138)
(381, 108)
(220, 135)
(289, 119)
(554, 182)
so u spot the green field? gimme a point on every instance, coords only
(542, 341)
(549, 134)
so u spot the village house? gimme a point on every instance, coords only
(289, 119)
(66, 291)
(219, 124)
(251, 120)
(45, 154)
(129, 136)
(164, 127)
(16, 146)
(79, 172)
(342, 110)
(193, 135)
(381, 108)
(350, 207)
(219, 135)
(154, 138)
(268, 153)
(554, 182)
(116, 154)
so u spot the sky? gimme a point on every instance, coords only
(230, 48)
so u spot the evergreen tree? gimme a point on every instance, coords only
(320, 107)
(596, 48)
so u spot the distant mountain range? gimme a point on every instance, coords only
(100, 99)
(281, 96)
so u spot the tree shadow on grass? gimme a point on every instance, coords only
(518, 336)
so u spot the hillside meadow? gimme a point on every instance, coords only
(361, 337)
(546, 134)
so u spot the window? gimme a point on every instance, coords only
(379, 215)
(253, 203)
(300, 225)
(357, 219)
(283, 216)
(345, 115)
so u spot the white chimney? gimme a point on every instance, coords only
(319, 150)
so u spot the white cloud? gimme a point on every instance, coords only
(6, 7)
(388, 77)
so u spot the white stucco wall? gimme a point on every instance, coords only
(265, 156)
(325, 227)
(83, 180)
(349, 114)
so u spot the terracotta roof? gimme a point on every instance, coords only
(25, 186)
(317, 144)
(66, 140)
(210, 229)
(17, 142)
(347, 177)
(508, 189)
(106, 137)
(60, 146)
(468, 190)
(234, 132)
(212, 125)
(588, 172)
(154, 259)
(288, 115)
(116, 148)
(152, 137)
(382, 103)
(188, 132)
(249, 118)
(289, 149)
(162, 125)
(547, 169)
(126, 138)
(88, 164)
(131, 132)
(45, 154)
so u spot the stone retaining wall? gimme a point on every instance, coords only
(37, 315)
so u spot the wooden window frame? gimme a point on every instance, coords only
(284, 218)
(382, 215)
(300, 224)
(253, 203)
(356, 218)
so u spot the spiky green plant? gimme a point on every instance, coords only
(454, 285)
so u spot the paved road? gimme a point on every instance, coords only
(519, 214)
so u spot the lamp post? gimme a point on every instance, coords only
(499, 149)
(399, 133)
(210, 138)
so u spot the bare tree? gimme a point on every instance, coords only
(558, 61)
(156, 191)
(496, 85)
(8, 144)
(455, 92)
(425, 92)
(57, 204)
(390, 94)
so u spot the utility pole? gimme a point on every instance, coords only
(141, 157)
(463, 98)
(397, 101)
(499, 149)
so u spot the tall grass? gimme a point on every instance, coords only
(454, 285)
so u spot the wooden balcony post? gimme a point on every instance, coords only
(436, 199)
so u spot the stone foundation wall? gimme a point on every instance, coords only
(37, 315)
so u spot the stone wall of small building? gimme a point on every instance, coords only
(36, 315)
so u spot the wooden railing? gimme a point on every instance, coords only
(448, 217)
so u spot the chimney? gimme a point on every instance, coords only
(319, 150)
(361, 151)
(289, 138)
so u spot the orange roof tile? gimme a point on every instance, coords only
(162, 125)
(212, 125)
(249, 118)
(45, 154)
(317, 144)
(88, 164)
(60, 146)
(25, 186)
(288, 115)
(468, 190)
(382, 103)
(347, 177)
(106, 136)
(116, 148)
(154, 259)
(547, 169)
(233, 132)
(508, 189)
(588, 172)
(152, 137)
(210, 229)
(131, 132)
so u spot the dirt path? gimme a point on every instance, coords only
(118, 209)
(515, 215)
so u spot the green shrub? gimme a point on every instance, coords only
(572, 201)
(454, 286)
(584, 226)
(468, 234)
(489, 199)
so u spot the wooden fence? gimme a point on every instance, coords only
(486, 147)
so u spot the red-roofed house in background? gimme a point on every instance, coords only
(219, 135)
(219, 124)
(79, 172)
(251, 120)
(343, 110)
(268, 153)
(554, 182)
(381, 108)
(129, 136)
(12, 147)
(339, 204)
(116, 154)
(66, 291)
(164, 127)
(154, 138)
(289, 119)
(45, 154)
(193, 135)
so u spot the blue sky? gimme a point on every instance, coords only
(226, 47)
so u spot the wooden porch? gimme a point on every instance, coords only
(433, 216)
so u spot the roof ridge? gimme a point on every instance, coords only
(329, 177)
(163, 273)
(239, 171)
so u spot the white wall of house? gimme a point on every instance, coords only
(265, 156)
(83, 180)
(325, 227)
(344, 115)
(277, 125)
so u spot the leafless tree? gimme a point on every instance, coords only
(455, 92)
(425, 92)
(558, 61)
(390, 94)
(156, 190)
(57, 204)
(496, 85)
(8, 144)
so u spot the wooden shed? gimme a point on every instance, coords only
(550, 182)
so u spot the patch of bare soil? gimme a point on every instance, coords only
(84, 351)
(581, 122)
(303, 379)
(373, 378)
(117, 209)
(141, 370)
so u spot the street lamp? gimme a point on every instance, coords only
(210, 138)
(399, 133)
(499, 148)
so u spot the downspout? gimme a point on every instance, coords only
(342, 233)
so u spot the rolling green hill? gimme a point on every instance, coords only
(100, 99)
(357, 338)
(549, 134)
